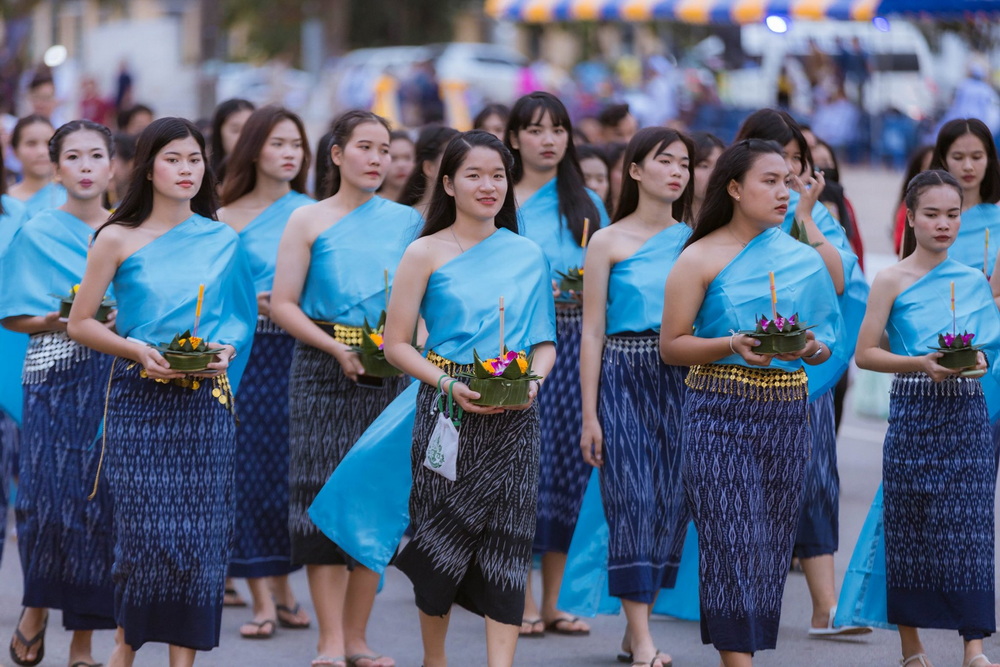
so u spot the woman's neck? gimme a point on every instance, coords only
(390, 193)
(349, 197)
(472, 229)
(91, 210)
(971, 198)
(532, 181)
(268, 190)
(745, 229)
(654, 214)
(170, 212)
(32, 184)
(928, 259)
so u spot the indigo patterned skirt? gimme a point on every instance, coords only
(10, 438)
(939, 485)
(262, 547)
(169, 459)
(563, 473)
(819, 521)
(746, 446)
(640, 403)
(66, 542)
(327, 414)
(472, 537)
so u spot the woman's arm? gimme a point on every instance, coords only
(870, 355)
(32, 324)
(809, 189)
(294, 256)
(83, 327)
(683, 296)
(596, 274)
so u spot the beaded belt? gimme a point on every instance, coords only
(763, 384)
(342, 333)
(919, 384)
(447, 365)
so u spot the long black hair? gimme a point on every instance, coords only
(777, 126)
(575, 203)
(137, 205)
(919, 184)
(494, 109)
(989, 189)
(22, 124)
(217, 154)
(650, 141)
(704, 144)
(441, 212)
(74, 126)
(733, 165)
(430, 145)
(340, 134)
(242, 163)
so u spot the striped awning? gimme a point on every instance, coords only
(725, 11)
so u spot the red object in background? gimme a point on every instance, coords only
(899, 228)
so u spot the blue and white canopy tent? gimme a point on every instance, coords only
(727, 11)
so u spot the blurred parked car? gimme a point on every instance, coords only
(489, 70)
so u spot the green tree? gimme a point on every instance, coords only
(275, 29)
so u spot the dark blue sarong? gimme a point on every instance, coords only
(262, 547)
(563, 473)
(640, 404)
(169, 463)
(746, 446)
(65, 542)
(939, 485)
(819, 521)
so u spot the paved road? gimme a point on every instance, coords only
(394, 629)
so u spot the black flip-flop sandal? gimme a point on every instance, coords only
(37, 639)
(260, 626)
(553, 627)
(284, 609)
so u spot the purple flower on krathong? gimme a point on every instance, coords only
(780, 323)
(948, 340)
(967, 338)
(792, 320)
(763, 323)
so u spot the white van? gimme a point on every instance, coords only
(901, 65)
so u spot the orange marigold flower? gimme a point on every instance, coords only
(195, 342)
(522, 363)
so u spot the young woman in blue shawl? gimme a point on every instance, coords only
(30, 141)
(632, 401)
(65, 540)
(472, 536)
(336, 263)
(169, 437)
(965, 149)
(553, 203)
(938, 469)
(746, 431)
(266, 182)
